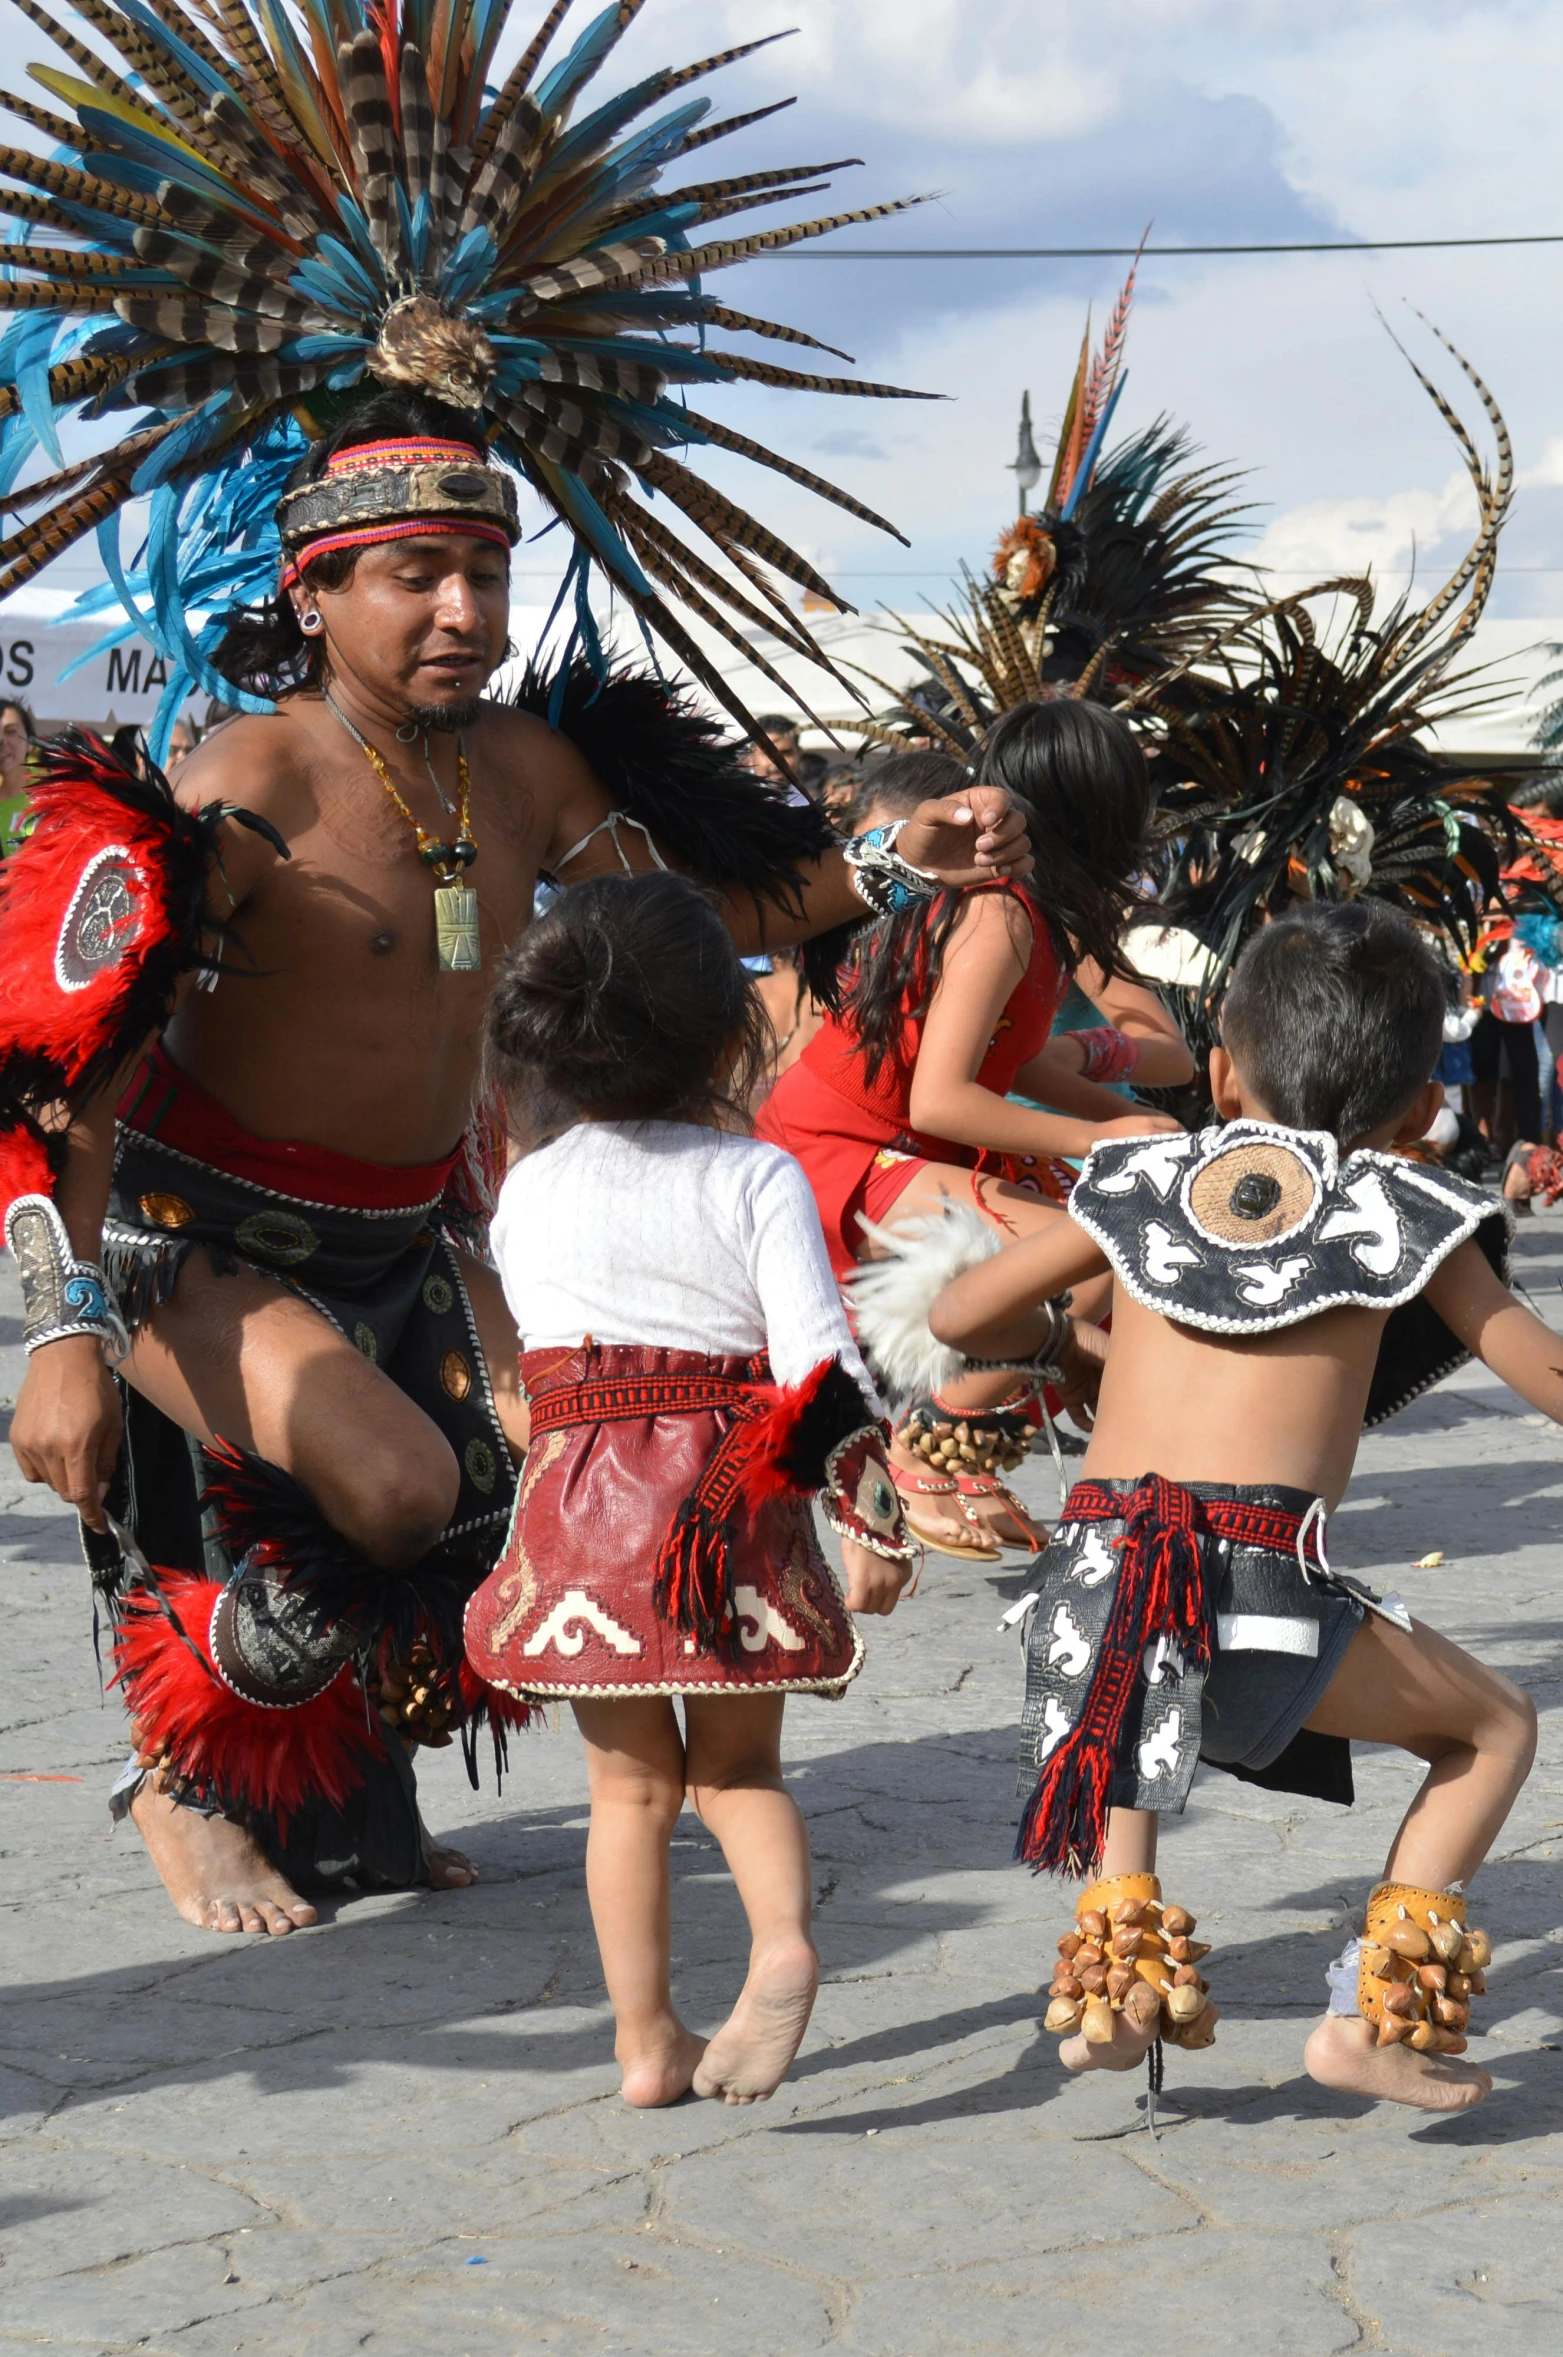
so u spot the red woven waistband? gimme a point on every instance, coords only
(617, 1399)
(1173, 1507)
(163, 1103)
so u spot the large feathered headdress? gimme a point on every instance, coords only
(1298, 759)
(275, 199)
(1124, 573)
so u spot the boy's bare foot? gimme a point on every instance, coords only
(753, 2051)
(1130, 2045)
(660, 2069)
(448, 1869)
(1343, 2052)
(216, 1874)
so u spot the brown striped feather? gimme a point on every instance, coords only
(723, 253)
(764, 372)
(19, 163)
(726, 439)
(652, 528)
(55, 127)
(79, 54)
(515, 84)
(745, 323)
(121, 459)
(24, 553)
(681, 582)
(730, 124)
(371, 131)
(706, 507)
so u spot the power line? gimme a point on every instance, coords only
(1344, 245)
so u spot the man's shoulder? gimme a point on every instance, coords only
(246, 760)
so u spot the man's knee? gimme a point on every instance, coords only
(399, 1500)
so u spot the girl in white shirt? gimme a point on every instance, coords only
(692, 1382)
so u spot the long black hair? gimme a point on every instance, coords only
(262, 647)
(1078, 774)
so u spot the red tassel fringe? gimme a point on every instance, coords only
(1160, 1592)
(249, 1756)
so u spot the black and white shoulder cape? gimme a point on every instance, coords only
(1252, 1227)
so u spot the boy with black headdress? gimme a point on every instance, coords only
(1280, 1280)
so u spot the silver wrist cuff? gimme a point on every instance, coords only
(1043, 1361)
(61, 1295)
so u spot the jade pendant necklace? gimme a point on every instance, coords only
(455, 903)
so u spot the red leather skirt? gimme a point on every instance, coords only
(569, 1610)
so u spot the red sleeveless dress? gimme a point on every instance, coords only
(849, 1132)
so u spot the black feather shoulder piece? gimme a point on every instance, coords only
(673, 769)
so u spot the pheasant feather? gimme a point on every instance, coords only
(278, 201)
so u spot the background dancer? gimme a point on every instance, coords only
(947, 1008)
(1277, 1279)
(692, 1380)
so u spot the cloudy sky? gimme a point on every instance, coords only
(1058, 122)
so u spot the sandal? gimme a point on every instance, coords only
(1031, 1536)
(940, 1542)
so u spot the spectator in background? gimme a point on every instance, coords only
(783, 733)
(181, 744)
(18, 735)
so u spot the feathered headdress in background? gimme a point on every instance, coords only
(264, 202)
(1124, 574)
(1297, 755)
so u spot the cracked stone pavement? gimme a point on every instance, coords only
(398, 2133)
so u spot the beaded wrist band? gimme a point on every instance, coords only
(882, 880)
(1109, 1054)
(61, 1295)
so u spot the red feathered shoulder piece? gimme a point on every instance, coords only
(102, 910)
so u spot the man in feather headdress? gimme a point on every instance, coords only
(287, 1148)
(239, 1025)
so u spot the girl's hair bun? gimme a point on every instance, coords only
(624, 1002)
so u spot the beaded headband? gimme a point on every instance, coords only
(380, 491)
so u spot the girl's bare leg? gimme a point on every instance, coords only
(1478, 1734)
(635, 1766)
(1131, 1849)
(734, 1780)
(973, 1525)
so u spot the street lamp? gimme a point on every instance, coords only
(1025, 466)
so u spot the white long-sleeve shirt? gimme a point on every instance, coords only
(673, 1237)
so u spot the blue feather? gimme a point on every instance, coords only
(330, 252)
(576, 70)
(1088, 458)
(358, 230)
(35, 333)
(328, 287)
(471, 263)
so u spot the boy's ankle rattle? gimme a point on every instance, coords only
(1418, 1967)
(1129, 1954)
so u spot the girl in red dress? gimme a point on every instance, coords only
(908, 1097)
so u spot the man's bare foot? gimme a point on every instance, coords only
(448, 1869)
(752, 2052)
(216, 1874)
(1130, 2044)
(1343, 2052)
(660, 2068)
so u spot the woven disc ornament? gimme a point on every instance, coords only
(1253, 1194)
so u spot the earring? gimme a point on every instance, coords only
(310, 622)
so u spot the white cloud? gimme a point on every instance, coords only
(1325, 536)
(1547, 473)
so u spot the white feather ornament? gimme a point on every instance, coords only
(890, 1299)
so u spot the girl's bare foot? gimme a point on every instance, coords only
(216, 1874)
(753, 2051)
(1343, 2052)
(661, 2068)
(1130, 2044)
